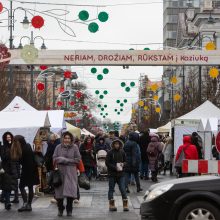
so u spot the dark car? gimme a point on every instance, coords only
(183, 199)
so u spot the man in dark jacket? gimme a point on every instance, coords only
(115, 162)
(133, 159)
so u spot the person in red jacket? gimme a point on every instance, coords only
(190, 151)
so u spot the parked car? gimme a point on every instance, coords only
(183, 199)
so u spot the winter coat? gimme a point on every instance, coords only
(197, 141)
(189, 149)
(88, 158)
(99, 146)
(49, 154)
(144, 141)
(66, 159)
(132, 152)
(154, 149)
(29, 171)
(113, 157)
(168, 150)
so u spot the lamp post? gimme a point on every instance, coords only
(43, 47)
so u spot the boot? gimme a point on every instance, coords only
(28, 207)
(23, 208)
(60, 212)
(69, 213)
(139, 189)
(112, 207)
(7, 206)
(125, 205)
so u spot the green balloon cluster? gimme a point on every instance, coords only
(93, 27)
(101, 96)
(127, 88)
(99, 76)
(122, 104)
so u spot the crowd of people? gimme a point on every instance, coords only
(128, 159)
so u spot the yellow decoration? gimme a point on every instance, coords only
(174, 80)
(141, 103)
(177, 97)
(146, 108)
(154, 87)
(133, 110)
(156, 97)
(213, 72)
(157, 109)
(146, 117)
(210, 46)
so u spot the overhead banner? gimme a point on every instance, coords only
(120, 57)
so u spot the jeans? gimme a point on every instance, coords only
(136, 176)
(121, 184)
(144, 169)
(88, 171)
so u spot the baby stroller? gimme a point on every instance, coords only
(102, 171)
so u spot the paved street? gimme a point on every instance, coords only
(93, 205)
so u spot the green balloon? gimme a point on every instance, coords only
(103, 16)
(83, 15)
(97, 92)
(121, 109)
(131, 49)
(127, 89)
(101, 113)
(105, 71)
(123, 84)
(106, 113)
(101, 96)
(105, 92)
(100, 77)
(102, 109)
(93, 27)
(118, 101)
(94, 70)
(132, 84)
(116, 110)
(105, 106)
(103, 116)
(146, 48)
(99, 105)
(125, 100)
(118, 113)
(121, 104)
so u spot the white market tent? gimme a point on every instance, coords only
(56, 117)
(76, 132)
(165, 128)
(194, 121)
(87, 133)
(25, 123)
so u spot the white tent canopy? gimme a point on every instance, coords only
(56, 117)
(87, 133)
(25, 123)
(165, 128)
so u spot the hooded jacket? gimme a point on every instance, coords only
(113, 157)
(189, 149)
(99, 146)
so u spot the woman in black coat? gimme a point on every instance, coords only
(29, 173)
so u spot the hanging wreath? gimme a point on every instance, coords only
(37, 21)
(1, 7)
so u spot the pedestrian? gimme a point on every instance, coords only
(115, 162)
(110, 138)
(7, 165)
(88, 156)
(190, 152)
(100, 145)
(66, 157)
(153, 152)
(144, 141)
(133, 160)
(22, 152)
(168, 155)
(197, 141)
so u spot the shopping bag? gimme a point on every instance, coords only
(83, 181)
(55, 179)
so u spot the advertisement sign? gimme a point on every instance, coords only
(121, 57)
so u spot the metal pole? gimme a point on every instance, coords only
(54, 82)
(184, 101)
(200, 74)
(11, 24)
(45, 94)
(32, 85)
(172, 97)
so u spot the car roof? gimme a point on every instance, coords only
(186, 180)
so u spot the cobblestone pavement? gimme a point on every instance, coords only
(93, 205)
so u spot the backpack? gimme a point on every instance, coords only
(152, 150)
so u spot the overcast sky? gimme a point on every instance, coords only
(131, 23)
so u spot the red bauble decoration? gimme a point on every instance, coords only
(78, 94)
(61, 89)
(37, 21)
(1, 7)
(90, 115)
(72, 103)
(59, 103)
(43, 67)
(67, 74)
(85, 107)
(40, 86)
(78, 121)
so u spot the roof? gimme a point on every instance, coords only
(205, 110)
